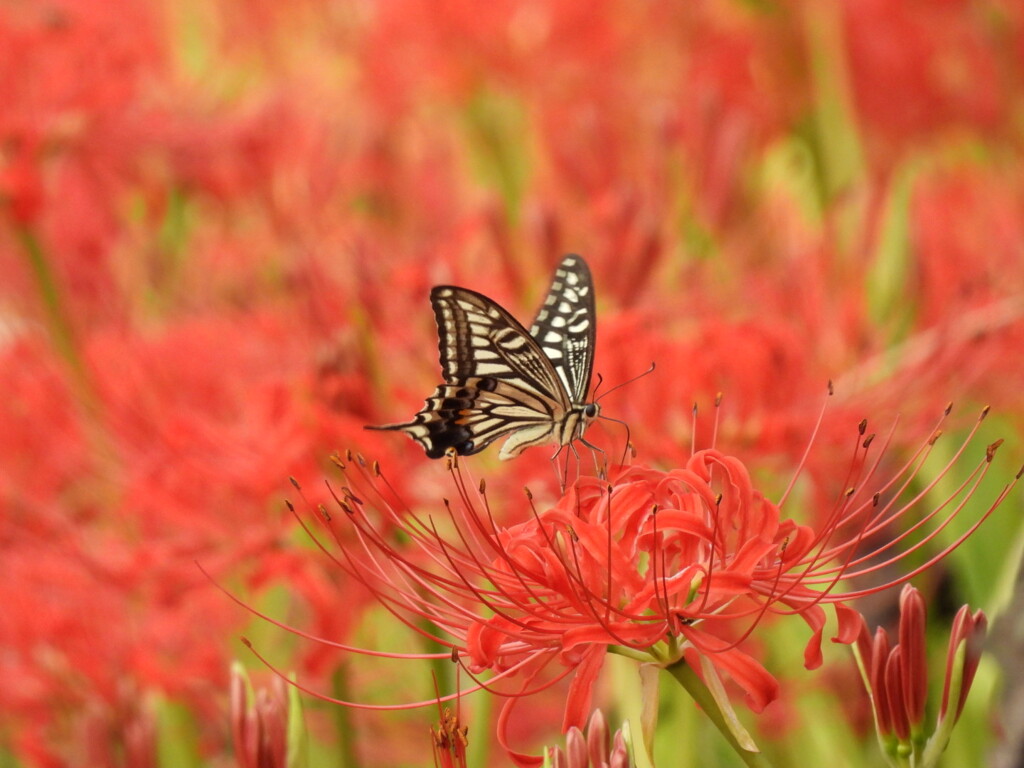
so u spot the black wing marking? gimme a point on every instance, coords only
(565, 326)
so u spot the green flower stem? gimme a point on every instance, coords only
(687, 678)
(62, 335)
(478, 751)
(344, 728)
(644, 657)
(60, 326)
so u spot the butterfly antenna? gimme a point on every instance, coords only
(619, 386)
(600, 380)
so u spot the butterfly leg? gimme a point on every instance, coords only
(600, 469)
(559, 475)
(572, 447)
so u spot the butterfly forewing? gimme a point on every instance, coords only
(565, 327)
(479, 338)
(501, 379)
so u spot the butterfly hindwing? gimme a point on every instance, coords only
(469, 415)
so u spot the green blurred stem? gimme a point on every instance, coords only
(837, 137)
(62, 337)
(360, 320)
(343, 726)
(478, 753)
(60, 326)
(687, 678)
(6, 757)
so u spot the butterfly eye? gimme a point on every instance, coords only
(590, 410)
(465, 447)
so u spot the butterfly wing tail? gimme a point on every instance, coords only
(390, 427)
(443, 422)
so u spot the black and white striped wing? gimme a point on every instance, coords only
(470, 415)
(477, 337)
(565, 326)
(498, 381)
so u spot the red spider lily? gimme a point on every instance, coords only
(263, 723)
(451, 738)
(969, 262)
(179, 161)
(940, 63)
(658, 566)
(449, 741)
(72, 77)
(594, 749)
(108, 506)
(896, 678)
(117, 730)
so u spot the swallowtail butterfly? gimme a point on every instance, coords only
(501, 379)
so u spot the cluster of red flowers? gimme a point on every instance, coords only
(219, 222)
(670, 567)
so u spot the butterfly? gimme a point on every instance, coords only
(501, 379)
